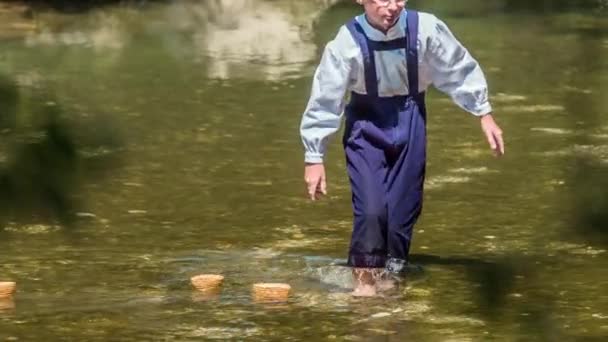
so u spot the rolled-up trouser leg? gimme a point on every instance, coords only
(367, 171)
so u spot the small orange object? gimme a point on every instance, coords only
(7, 288)
(6, 304)
(207, 283)
(271, 292)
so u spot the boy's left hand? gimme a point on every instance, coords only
(493, 134)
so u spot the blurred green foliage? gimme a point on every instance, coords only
(43, 163)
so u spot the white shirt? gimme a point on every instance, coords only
(442, 61)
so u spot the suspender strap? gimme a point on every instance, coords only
(368, 46)
(369, 59)
(394, 44)
(412, 52)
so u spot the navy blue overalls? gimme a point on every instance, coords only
(385, 146)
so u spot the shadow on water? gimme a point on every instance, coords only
(589, 182)
(591, 205)
(9, 98)
(46, 158)
(498, 282)
(588, 199)
(496, 279)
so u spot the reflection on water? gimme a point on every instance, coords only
(234, 38)
(255, 31)
(6, 305)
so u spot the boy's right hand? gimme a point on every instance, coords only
(314, 176)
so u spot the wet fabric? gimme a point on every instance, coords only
(385, 147)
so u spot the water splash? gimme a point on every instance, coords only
(327, 271)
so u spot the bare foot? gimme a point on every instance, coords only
(386, 284)
(364, 291)
(365, 282)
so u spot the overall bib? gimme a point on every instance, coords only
(385, 147)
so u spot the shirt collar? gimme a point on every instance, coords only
(396, 31)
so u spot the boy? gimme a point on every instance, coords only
(387, 58)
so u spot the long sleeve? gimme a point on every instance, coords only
(455, 72)
(323, 113)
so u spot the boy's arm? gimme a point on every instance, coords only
(455, 72)
(323, 113)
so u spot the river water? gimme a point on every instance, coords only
(200, 102)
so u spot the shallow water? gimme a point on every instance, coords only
(205, 100)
